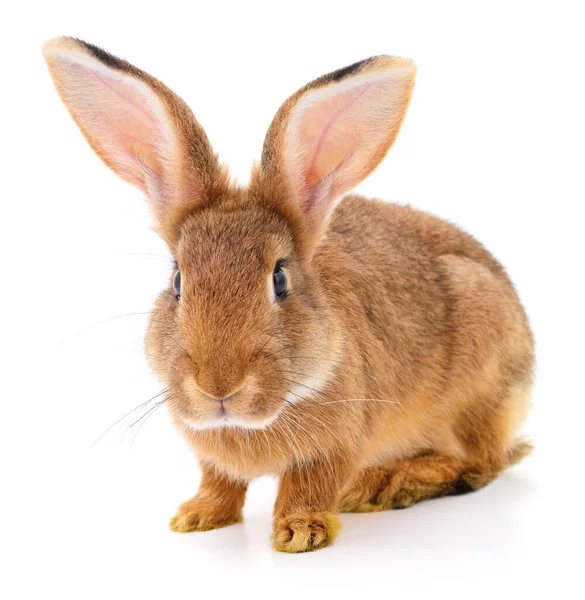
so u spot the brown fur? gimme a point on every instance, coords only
(397, 369)
(218, 503)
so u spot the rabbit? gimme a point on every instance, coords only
(367, 354)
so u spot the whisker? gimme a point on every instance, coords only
(296, 395)
(84, 330)
(290, 422)
(163, 391)
(301, 374)
(288, 433)
(313, 358)
(154, 407)
(292, 345)
(147, 417)
(361, 400)
(325, 455)
(160, 257)
(337, 401)
(116, 318)
(303, 385)
(270, 338)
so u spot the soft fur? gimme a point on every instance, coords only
(398, 367)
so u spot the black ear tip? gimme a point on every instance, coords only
(101, 55)
(349, 70)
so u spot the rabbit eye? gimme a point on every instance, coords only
(177, 284)
(279, 281)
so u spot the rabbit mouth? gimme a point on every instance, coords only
(249, 406)
(226, 418)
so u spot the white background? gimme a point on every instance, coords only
(493, 141)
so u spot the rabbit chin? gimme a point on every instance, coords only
(229, 421)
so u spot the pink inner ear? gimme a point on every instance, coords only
(118, 88)
(328, 138)
(120, 123)
(314, 173)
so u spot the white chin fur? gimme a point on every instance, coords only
(229, 422)
(308, 386)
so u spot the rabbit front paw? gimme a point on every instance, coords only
(201, 515)
(305, 532)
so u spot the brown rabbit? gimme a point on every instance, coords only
(369, 355)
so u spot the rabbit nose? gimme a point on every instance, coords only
(220, 395)
(224, 399)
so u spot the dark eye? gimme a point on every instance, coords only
(279, 281)
(177, 284)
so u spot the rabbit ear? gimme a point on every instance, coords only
(137, 126)
(332, 133)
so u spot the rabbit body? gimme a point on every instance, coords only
(431, 349)
(368, 354)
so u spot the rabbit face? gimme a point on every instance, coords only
(245, 334)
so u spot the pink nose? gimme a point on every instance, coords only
(220, 391)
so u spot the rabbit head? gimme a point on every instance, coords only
(244, 326)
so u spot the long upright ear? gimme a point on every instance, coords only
(331, 134)
(137, 126)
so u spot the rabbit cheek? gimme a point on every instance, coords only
(158, 343)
